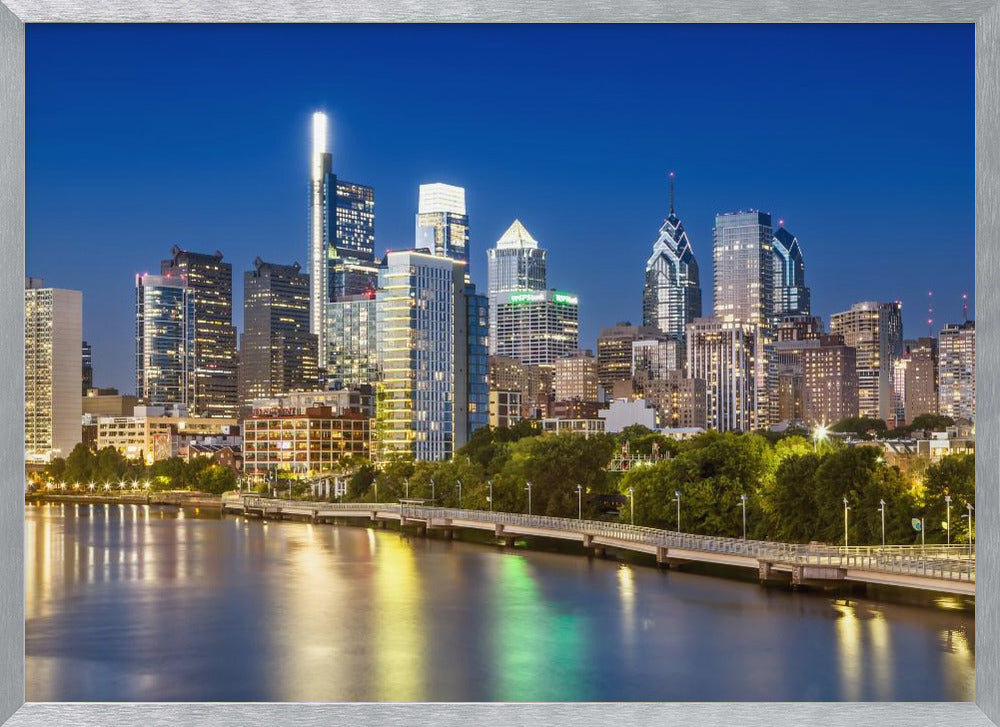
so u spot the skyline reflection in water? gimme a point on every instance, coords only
(140, 603)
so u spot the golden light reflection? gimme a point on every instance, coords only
(881, 656)
(849, 653)
(312, 613)
(398, 621)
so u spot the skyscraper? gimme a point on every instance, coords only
(164, 340)
(722, 352)
(791, 296)
(744, 289)
(277, 351)
(672, 293)
(341, 235)
(537, 327)
(875, 330)
(957, 371)
(210, 281)
(442, 224)
(423, 356)
(516, 264)
(53, 325)
(351, 341)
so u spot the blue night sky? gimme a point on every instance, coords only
(860, 137)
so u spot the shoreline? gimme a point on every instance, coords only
(212, 502)
(889, 594)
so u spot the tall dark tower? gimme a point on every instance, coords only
(277, 351)
(210, 281)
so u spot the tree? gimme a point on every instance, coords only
(216, 479)
(79, 465)
(554, 464)
(954, 475)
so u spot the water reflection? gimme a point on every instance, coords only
(147, 603)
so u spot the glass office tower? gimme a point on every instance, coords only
(210, 281)
(744, 291)
(442, 224)
(165, 340)
(277, 351)
(791, 296)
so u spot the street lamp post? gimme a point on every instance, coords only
(677, 499)
(432, 489)
(743, 504)
(881, 509)
(631, 504)
(459, 483)
(406, 487)
(376, 490)
(528, 488)
(579, 502)
(846, 508)
(947, 502)
(490, 483)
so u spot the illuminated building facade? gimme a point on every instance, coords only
(165, 340)
(875, 331)
(576, 377)
(278, 354)
(210, 282)
(537, 327)
(516, 264)
(722, 352)
(957, 371)
(442, 224)
(307, 443)
(422, 353)
(672, 292)
(351, 341)
(829, 381)
(656, 358)
(53, 340)
(914, 380)
(614, 351)
(744, 290)
(679, 401)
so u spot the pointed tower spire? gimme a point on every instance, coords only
(671, 193)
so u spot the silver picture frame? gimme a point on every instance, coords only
(14, 712)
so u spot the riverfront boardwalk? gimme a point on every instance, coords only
(946, 569)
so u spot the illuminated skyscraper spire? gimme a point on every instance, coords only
(323, 186)
(672, 294)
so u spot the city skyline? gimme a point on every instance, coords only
(894, 217)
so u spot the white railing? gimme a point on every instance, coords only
(949, 562)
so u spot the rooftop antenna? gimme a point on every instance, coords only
(965, 307)
(930, 313)
(671, 193)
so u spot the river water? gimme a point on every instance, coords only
(140, 603)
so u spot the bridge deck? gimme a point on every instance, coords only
(948, 569)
